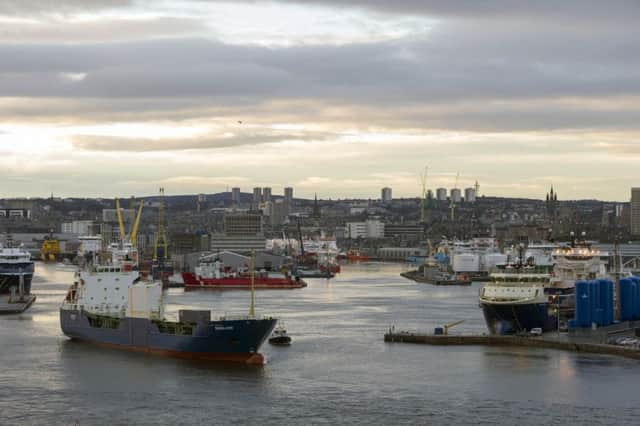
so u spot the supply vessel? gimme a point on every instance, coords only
(212, 273)
(111, 305)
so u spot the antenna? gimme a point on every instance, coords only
(477, 188)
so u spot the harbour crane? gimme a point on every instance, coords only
(133, 236)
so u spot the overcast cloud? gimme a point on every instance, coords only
(377, 84)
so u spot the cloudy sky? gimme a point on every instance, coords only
(338, 97)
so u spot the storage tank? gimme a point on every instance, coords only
(466, 262)
(626, 299)
(594, 296)
(606, 300)
(636, 297)
(583, 313)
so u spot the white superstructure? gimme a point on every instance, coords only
(516, 286)
(109, 284)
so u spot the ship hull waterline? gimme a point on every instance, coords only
(193, 282)
(224, 341)
(515, 318)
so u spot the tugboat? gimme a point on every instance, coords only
(280, 337)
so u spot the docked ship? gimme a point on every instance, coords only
(15, 262)
(437, 273)
(109, 304)
(16, 273)
(212, 273)
(524, 295)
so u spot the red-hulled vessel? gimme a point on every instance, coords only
(211, 273)
(242, 282)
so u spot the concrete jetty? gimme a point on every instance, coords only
(15, 305)
(546, 342)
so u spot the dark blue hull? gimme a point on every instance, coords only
(515, 318)
(228, 340)
(10, 276)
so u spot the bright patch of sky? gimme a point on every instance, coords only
(275, 24)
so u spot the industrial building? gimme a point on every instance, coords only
(635, 211)
(371, 228)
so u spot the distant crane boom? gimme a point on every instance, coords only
(120, 221)
(136, 224)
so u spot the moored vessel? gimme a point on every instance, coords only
(109, 304)
(525, 295)
(211, 273)
(16, 273)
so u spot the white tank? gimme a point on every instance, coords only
(466, 262)
(493, 259)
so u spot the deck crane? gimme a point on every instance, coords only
(446, 327)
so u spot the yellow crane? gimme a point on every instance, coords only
(446, 327)
(120, 221)
(133, 236)
(134, 229)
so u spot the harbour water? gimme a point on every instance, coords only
(338, 369)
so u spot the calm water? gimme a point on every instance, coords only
(338, 369)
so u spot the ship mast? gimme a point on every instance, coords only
(252, 313)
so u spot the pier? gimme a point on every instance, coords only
(561, 342)
(15, 305)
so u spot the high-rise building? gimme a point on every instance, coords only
(470, 195)
(288, 194)
(456, 195)
(257, 198)
(635, 211)
(266, 194)
(441, 194)
(235, 196)
(386, 195)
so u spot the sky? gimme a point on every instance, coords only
(106, 98)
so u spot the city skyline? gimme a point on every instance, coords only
(109, 97)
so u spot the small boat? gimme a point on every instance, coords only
(280, 337)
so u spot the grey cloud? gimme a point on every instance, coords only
(20, 7)
(111, 30)
(592, 10)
